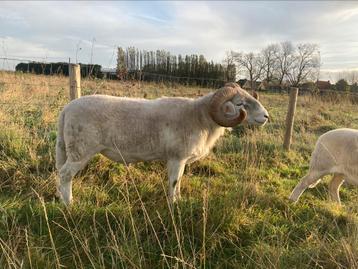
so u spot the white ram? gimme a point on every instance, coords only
(336, 152)
(128, 130)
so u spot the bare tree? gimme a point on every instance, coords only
(229, 58)
(269, 55)
(284, 59)
(305, 64)
(229, 64)
(350, 76)
(121, 64)
(353, 76)
(251, 64)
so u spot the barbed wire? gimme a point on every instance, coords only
(176, 77)
(33, 104)
(41, 60)
(323, 92)
(24, 122)
(34, 57)
(32, 84)
(102, 82)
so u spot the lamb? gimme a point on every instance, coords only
(336, 152)
(175, 130)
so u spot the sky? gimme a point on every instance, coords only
(57, 31)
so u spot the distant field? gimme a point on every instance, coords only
(234, 211)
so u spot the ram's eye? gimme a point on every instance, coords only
(240, 104)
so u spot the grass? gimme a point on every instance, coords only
(234, 211)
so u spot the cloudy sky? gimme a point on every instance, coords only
(57, 30)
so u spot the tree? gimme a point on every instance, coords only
(251, 64)
(354, 87)
(353, 76)
(269, 55)
(229, 64)
(284, 59)
(161, 65)
(350, 76)
(342, 85)
(305, 64)
(121, 64)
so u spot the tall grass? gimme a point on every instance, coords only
(234, 211)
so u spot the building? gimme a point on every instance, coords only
(109, 73)
(247, 85)
(323, 85)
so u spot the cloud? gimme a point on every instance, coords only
(54, 29)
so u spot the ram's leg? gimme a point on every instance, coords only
(74, 163)
(308, 180)
(67, 172)
(334, 186)
(175, 172)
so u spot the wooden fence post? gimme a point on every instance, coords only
(75, 81)
(290, 117)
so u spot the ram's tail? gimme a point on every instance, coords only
(61, 156)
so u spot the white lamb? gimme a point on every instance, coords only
(336, 152)
(128, 130)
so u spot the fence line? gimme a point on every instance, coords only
(26, 103)
(22, 60)
(31, 84)
(143, 73)
(103, 81)
(74, 87)
(170, 76)
(7, 121)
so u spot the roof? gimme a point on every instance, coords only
(241, 82)
(247, 84)
(108, 70)
(323, 85)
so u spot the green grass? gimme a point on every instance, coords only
(234, 211)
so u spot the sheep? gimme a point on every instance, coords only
(176, 130)
(336, 152)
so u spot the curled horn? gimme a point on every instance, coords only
(232, 85)
(219, 98)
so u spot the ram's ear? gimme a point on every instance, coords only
(228, 108)
(256, 95)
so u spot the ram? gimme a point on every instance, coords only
(336, 152)
(128, 130)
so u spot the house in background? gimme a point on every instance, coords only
(247, 85)
(241, 82)
(109, 73)
(323, 85)
(273, 85)
(308, 87)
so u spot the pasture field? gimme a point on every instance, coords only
(234, 211)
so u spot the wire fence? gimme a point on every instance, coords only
(141, 75)
(181, 77)
(31, 111)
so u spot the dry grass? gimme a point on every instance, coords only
(234, 212)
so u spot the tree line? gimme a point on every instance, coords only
(287, 64)
(60, 68)
(161, 65)
(282, 63)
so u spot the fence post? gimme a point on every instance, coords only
(290, 117)
(75, 81)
